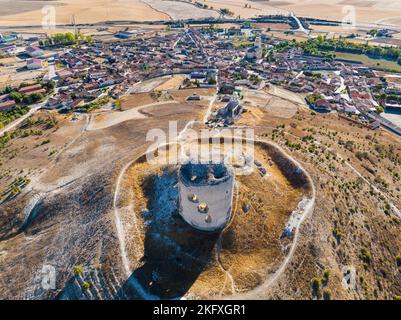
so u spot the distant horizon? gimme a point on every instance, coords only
(12, 14)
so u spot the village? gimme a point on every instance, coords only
(97, 74)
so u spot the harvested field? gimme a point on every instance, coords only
(158, 109)
(177, 10)
(109, 119)
(273, 26)
(386, 42)
(84, 12)
(393, 117)
(173, 83)
(183, 94)
(175, 108)
(23, 12)
(282, 93)
(149, 85)
(273, 101)
(281, 108)
(136, 100)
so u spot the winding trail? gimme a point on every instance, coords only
(248, 295)
(252, 294)
(117, 221)
(218, 249)
(392, 205)
(209, 109)
(353, 169)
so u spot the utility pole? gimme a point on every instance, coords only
(73, 23)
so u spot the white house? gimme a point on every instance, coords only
(34, 51)
(33, 64)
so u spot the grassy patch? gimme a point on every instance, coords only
(381, 64)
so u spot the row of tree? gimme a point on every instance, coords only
(321, 43)
(29, 98)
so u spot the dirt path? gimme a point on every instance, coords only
(218, 249)
(209, 109)
(254, 294)
(117, 221)
(392, 205)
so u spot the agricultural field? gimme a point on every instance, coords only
(374, 63)
(30, 11)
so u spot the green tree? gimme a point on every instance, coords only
(86, 285)
(16, 96)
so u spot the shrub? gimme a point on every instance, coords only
(316, 283)
(32, 98)
(398, 259)
(86, 285)
(45, 142)
(365, 256)
(51, 122)
(78, 270)
(326, 295)
(337, 234)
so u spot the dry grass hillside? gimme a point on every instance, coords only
(73, 198)
(356, 221)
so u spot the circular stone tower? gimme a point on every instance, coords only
(205, 195)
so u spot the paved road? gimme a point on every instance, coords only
(301, 27)
(15, 123)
